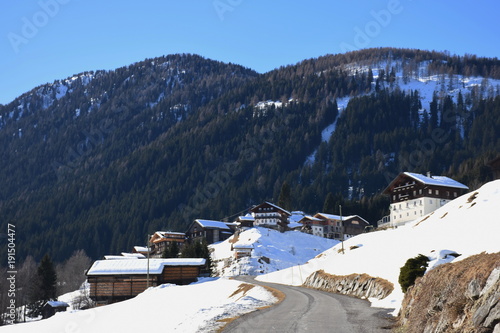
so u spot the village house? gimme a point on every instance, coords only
(50, 308)
(242, 250)
(245, 221)
(141, 250)
(161, 240)
(307, 223)
(336, 226)
(414, 195)
(211, 231)
(117, 280)
(271, 216)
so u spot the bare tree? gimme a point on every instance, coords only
(71, 274)
(26, 280)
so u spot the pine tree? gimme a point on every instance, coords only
(171, 251)
(285, 198)
(44, 287)
(48, 279)
(329, 205)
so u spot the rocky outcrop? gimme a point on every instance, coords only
(357, 285)
(455, 297)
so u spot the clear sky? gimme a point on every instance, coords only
(45, 40)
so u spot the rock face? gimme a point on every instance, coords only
(455, 297)
(357, 285)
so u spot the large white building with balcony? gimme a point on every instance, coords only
(415, 195)
(269, 215)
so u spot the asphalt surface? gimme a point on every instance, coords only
(309, 310)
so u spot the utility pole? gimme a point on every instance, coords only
(342, 229)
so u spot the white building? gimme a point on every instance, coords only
(414, 195)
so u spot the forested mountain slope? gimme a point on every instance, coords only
(99, 160)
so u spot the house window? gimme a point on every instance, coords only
(420, 191)
(430, 191)
(394, 197)
(414, 193)
(455, 194)
(430, 201)
(437, 192)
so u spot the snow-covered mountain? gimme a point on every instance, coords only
(421, 80)
(466, 226)
(159, 143)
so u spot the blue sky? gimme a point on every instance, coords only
(45, 40)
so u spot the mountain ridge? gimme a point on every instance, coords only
(124, 166)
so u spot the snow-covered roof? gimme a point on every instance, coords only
(140, 249)
(335, 217)
(246, 218)
(132, 266)
(117, 257)
(57, 304)
(293, 225)
(212, 224)
(311, 218)
(166, 233)
(133, 255)
(273, 205)
(243, 246)
(436, 180)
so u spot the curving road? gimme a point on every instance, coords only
(309, 310)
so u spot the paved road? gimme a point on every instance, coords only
(308, 310)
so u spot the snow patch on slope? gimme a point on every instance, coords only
(272, 251)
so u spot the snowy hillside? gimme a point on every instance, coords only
(272, 251)
(199, 307)
(468, 225)
(420, 80)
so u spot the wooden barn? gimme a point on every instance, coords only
(50, 308)
(117, 280)
(211, 231)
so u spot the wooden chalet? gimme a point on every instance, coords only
(50, 308)
(141, 250)
(211, 231)
(242, 250)
(307, 221)
(414, 195)
(163, 239)
(245, 221)
(354, 225)
(117, 280)
(269, 215)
